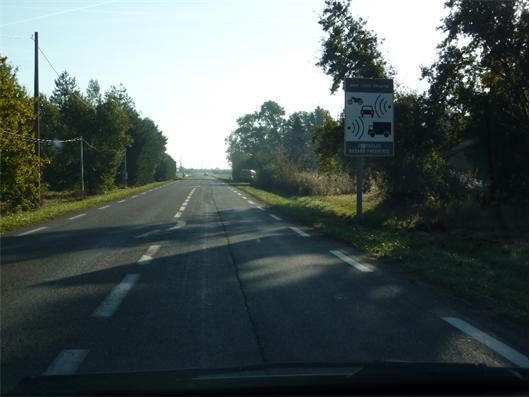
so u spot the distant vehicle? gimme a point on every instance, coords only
(247, 175)
(205, 174)
(368, 110)
(379, 129)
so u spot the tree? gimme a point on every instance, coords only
(349, 49)
(166, 169)
(19, 165)
(480, 85)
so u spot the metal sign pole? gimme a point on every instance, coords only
(359, 190)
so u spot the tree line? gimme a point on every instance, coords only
(120, 146)
(467, 135)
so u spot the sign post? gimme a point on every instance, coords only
(369, 123)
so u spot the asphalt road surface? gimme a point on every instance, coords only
(197, 274)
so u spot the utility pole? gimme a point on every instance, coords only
(82, 170)
(125, 176)
(36, 107)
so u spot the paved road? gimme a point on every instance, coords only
(197, 274)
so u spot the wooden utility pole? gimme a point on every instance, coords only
(36, 108)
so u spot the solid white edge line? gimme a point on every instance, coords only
(300, 232)
(104, 207)
(351, 262)
(33, 231)
(67, 362)
(75, 217)
(116, 296)
(504, 350)
(122, 201)
(275, 217)
(148, 256)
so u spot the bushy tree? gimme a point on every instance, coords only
(19, 164)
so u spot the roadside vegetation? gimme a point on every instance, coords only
(120, 148)
(451, 207)
(57, 204)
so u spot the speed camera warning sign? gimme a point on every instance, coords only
(369, 121)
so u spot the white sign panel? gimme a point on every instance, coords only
(369, 117)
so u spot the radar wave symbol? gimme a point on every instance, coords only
(381, 106)
(357, 128)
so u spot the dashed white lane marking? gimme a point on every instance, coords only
(33, 231)
(178, 225)
(178, 214)
(75, 217)
(275, 217)
(122, 201)
(148, 256)
(116, 296)
(300, 232)
(243, 197)
(67, 362)
(261, 208)
(351, 262)
(148, 233)
(504, 350)
(104, 207)
(239, 194)
(251, 202)
(183, 208)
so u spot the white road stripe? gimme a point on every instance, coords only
(351, 262)
(243, 197)
(67, 362)
(33, 231)
(251, 202)
(104, 207)
(75, 217)
(275, 217)
(261, 208)
(300, 232)
(116, 296)
(504, 350)
(178, 225)
(134, 196)
(183, 208)
(122, 201)
(143, 193)
(239, 194)
(148, 233)
(178, 214)
(148, 256)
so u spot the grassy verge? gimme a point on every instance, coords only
(54, 208)
(490, 274)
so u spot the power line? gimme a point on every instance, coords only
(34, 140)
(47, 60)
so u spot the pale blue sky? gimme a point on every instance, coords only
(195, 66)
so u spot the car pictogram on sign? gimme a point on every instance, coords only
(367, 110)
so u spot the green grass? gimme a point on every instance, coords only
(55, 207)
(492, 275)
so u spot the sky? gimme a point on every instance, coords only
(195, 66)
